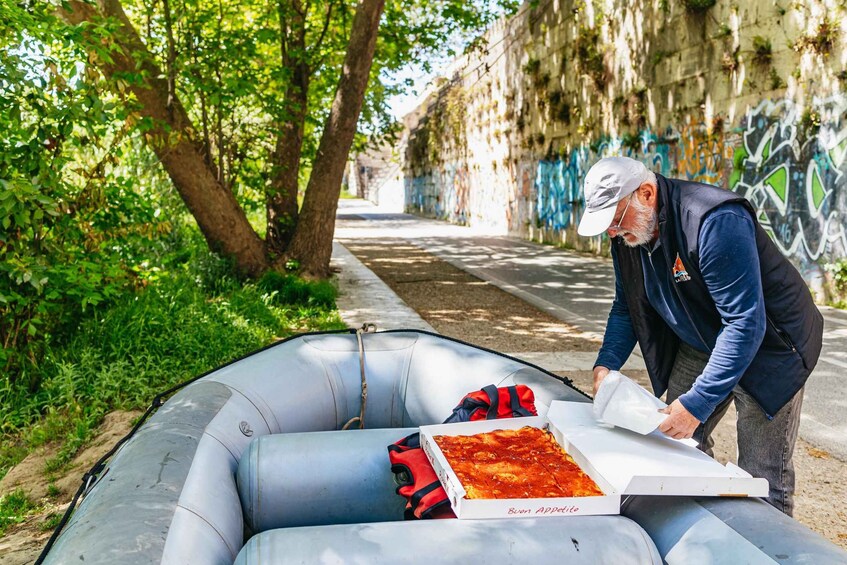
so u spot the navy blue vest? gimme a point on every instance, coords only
(794, 332)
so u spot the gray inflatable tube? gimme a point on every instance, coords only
(249, 464)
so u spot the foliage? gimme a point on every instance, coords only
(176, 328)
(560, 109)
(532, 67)
(730, 61)
(659, 56)
(288, 289)
(106, 296)
(723, 32)
(762, 51)
(589, 55)
(838, 275)
(775, 81)
(73, 221)
(231, 73)
(821, 40)
(810, 122)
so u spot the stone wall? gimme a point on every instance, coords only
(748, 96)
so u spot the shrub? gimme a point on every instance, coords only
(288, 289)
(838, 277)
(144, 343)
(72, 221)
(762, 51)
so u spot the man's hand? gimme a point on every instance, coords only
(679, 424)
(599, 374)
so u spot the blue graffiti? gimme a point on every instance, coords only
(558, 183)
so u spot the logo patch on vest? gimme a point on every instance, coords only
(679, 272)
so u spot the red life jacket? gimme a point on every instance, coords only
(415, 477)
(491, 402)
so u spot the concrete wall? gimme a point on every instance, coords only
(376, 175)
(748, 96)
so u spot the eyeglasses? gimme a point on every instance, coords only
(617, 226)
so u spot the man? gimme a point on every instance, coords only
(717, 310)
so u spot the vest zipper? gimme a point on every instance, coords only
(783, 337)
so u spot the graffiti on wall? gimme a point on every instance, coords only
(790, 164)
(702, 154)
(557, 190)
(443, 194)
(789, 161)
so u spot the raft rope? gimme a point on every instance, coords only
(366, 328)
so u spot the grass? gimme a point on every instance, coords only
(14, 509)
(188, 320)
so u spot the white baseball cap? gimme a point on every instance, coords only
(607, 182)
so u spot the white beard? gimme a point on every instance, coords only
(644, 225)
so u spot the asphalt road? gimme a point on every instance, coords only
(578, 289)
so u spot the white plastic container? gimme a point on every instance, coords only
(622, 402)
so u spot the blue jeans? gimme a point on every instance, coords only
(765, 447)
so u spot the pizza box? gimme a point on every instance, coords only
(465, 508)
(651, 464)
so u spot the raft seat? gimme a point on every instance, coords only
(330, 497)
(319, 478)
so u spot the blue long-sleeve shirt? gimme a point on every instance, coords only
(729, 263)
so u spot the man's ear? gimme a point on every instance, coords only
(648, 193)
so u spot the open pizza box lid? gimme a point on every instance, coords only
(649, 464)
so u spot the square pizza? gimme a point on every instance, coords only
(522, 463)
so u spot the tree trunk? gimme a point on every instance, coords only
(215, 209)
(282, 209)
(312, 242)
(281, 206)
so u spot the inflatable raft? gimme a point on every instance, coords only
(250, 464)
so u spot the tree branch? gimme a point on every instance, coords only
(283, 32)
(171, 59)
(327, 19)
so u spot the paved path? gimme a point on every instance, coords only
(578, 289)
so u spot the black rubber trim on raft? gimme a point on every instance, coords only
(564, 380)
(92, 475)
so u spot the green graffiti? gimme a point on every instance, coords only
(766, 150)
(836, 154)
(778, 181)
(738, 157)
(818, 190)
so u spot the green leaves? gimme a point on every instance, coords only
(71, 220)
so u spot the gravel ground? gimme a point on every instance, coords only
(459, 305)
